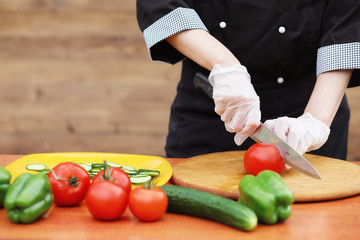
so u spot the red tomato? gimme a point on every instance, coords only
(117, 175)
(69, 183)
(106, 200)
(263, 156)
(148, 204)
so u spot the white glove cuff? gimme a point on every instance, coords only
(309, 116)
(323, 134)
(218, 70)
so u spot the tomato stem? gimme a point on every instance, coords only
(107, 172)
(150, 184)
(73, 181)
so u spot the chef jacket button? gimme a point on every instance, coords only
(222, 24)
(282, 29)
(280, 80)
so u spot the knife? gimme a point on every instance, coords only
(265, 135)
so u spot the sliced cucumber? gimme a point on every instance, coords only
(36, 167)
(131, 172)
(140, 179)
(97, 165)
(140, 176)
(95, 170)
(87, 167)
(149, 172)
(112, 164)
(127, 168)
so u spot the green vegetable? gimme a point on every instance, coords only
(209, 206)
(5, 177)
(140, 176)
(28, 198)
(36, 167)
(140, 179)
(267, 195)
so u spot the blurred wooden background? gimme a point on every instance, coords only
(75, 75)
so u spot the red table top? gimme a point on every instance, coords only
(338, 219)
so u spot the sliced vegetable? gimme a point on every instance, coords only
(112, 164)
(267, 195)
(131, 171)
(36, 167)
(127, 168)
(210, 206)
(149, 172)
(95, 170)
(140, 179)
(141, 175)
(86, 166)
(97, 165)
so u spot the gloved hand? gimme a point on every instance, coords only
(303, 134)
(235, 100)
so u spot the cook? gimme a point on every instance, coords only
(285, 63)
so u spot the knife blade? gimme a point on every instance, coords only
(265, 135)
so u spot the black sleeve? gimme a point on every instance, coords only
(160, 19)
(340, 43)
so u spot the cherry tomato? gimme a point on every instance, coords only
(148, 204)
(117, 175)
(69, 183)
(106, 200)
(263, 156)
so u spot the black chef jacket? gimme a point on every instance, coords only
(284, 45)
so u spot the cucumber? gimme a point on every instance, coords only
(149, 172)
(128, 168)
(36, 167)
(205, 205)
(131, 172)
(112, 164)
(87, 167)
(140, 179)
(97, 165)
(95, 170)
(140, 176)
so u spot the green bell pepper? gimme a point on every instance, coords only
(5, 177)
(267, 195)
(28, 198)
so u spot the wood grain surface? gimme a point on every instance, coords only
(76, 76)
(220, 173)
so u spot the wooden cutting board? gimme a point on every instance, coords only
(220, 173)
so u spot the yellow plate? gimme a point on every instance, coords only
(52, 159)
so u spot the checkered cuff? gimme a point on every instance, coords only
(172, 23)
(338, 56)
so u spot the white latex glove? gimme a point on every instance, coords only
(235, 100)
(303, 134)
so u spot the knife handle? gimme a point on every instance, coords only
(201, 82)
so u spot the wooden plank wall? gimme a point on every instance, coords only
(76, 76)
